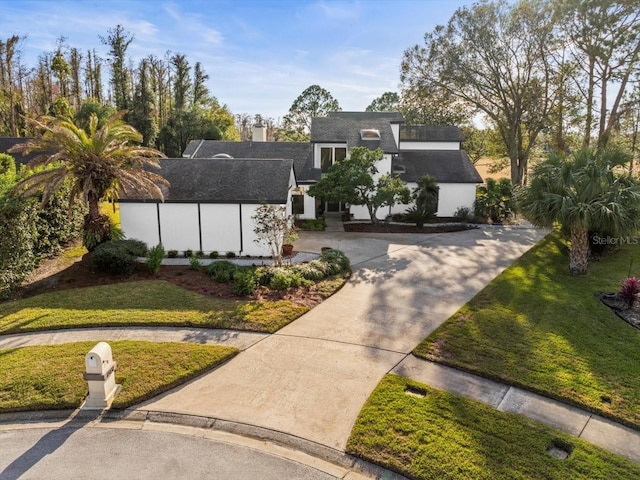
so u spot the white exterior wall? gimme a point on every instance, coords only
(140, 221)
(429, 145)
(220, 227)
(451, 197)
(249, 247)
(179, 226)
(455, 195)
(309, 205)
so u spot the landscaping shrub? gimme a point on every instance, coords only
(17, 234)
(172, 253)
(117, 257)
(222, 272)
(200, 254)
(263, 275)
(188, 253)
(231, 255)
(337, 260)
(214, 254)
(244, 281)
(194, 263)
(494, 200)
(629, 291)
(285, 277)
(154, 258)
(280, 281)
(314, 270)
(463, 214)
(315, 225)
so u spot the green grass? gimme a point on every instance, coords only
(50, 377)
(146, 303)
(444, 436)
(538, 327)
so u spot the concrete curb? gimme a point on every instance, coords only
(360, 468)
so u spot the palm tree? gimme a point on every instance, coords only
(100, 163)
(425, 196)
(587, 192)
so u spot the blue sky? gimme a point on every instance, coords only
(259, 54)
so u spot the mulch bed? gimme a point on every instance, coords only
(629, 315)
(403, 228)
(56, 274)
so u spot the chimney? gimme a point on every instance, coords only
(259, 133)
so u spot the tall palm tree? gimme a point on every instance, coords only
(100, 163)
(586, 192)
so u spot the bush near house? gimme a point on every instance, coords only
(247, 279)
(29, 231)
(118, 257)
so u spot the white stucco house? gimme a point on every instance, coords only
(216, 186)
(410, 151)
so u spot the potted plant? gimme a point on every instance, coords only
(290, 236)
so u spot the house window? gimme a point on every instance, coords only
(297, 204)
(331, 155)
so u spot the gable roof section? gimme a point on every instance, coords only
(221, 180)
(447, 166)
(430, 133)
(344, 127)
(300, 152)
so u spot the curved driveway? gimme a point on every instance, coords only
(311, 378)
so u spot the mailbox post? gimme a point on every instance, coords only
(100, 375)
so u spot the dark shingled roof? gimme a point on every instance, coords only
(430, 133)
(389, 116)
(447, 166)
(219, 180)
(300, 152)
(344, 127)
(7, 142)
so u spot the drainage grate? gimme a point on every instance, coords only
(556, 450)
(415, 392)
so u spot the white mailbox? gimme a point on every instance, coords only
(100, 375)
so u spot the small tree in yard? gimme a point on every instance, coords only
(273, 226)
(583, 193)
(351, 181)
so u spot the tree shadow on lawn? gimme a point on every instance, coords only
(542, 329)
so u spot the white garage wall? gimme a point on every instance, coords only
(220, 227)
(455, 195)
(249, 246)
(179, 226)
(140, 221)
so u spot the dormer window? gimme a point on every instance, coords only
(370, 134)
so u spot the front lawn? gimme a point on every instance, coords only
(144, 303)
(539, 327)
(50, 377)
(444, 436)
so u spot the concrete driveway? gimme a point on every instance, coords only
(311, 378)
